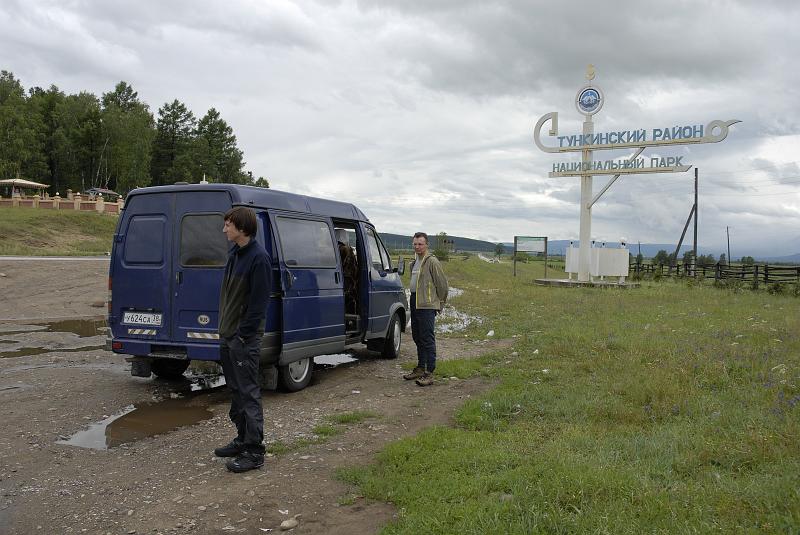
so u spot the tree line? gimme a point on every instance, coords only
(663, 257)
(80, 141)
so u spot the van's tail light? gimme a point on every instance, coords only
(109, 295)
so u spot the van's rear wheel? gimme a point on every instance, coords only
(391, 346)
(170, 369)
(296, 375)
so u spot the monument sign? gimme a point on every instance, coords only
(589, 100)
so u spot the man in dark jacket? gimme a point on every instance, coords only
(242, 318)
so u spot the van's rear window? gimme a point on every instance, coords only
(144, 243)
(306, 243)
(202, 241)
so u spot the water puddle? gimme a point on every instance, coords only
(63, 335)
(331, 361)
(144, 420)
(29, 351)
(136, 422)
(200, 383)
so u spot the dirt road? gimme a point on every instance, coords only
(159, 474)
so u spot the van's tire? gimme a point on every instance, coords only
(391, 346)
(295, 376)
(170, 369)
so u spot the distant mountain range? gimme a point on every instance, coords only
(558, 247)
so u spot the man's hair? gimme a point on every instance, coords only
(244, 219)
(421, 235)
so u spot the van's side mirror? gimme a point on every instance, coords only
(401, 265)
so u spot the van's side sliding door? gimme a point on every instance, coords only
(312, 287)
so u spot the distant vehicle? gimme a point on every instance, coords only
(167, 262)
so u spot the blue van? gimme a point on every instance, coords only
(167, 262)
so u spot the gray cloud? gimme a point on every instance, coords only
(422, 112)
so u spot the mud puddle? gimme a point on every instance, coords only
(136, 422)
(149, 419)
(63, 335)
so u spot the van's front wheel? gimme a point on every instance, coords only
(295, 376)
(391, 346)
(170, 369)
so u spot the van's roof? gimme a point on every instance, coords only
(266, 198)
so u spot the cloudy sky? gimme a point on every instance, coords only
(422, 111)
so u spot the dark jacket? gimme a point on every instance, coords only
(245, 291)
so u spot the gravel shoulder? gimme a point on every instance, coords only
(171, 482)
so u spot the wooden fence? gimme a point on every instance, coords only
(755, 274)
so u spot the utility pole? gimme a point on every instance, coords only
(694, 246)
(728, 232)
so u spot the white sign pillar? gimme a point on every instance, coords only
(584, 253)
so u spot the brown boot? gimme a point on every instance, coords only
(426, 379)
(416, 373)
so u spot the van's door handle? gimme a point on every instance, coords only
(179, 277)
(287, 279)
(336, 277)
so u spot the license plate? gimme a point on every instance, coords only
(141, 318)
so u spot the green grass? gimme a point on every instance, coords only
(353, 417)
(40, 232)
(323, 432)
(667, 409)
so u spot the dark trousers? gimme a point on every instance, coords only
(240, 365)
(422, 323)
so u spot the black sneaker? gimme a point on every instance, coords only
(231, 450)
(245, 461)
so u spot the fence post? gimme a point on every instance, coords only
(766, 274)
(755, 276)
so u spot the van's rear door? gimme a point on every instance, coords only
(198, 264)
(312, 286)
(142, 269)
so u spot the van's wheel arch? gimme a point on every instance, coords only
(170, 369)
(391, 345)
(296, 375)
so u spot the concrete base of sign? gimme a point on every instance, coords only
(595, 284)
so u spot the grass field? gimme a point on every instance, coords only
(39, 232)
(673, 408)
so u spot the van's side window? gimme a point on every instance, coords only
(144, 243)
(306, 243)
(202, 241)
(378, 256)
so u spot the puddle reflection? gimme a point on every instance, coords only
(331, 361)
(138, 422)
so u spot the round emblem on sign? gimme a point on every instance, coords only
(589, 100)
(202, 319)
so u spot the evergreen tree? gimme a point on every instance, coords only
(220, 158)
(43, 105)
(175, 148)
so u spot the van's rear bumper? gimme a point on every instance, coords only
(146, 348)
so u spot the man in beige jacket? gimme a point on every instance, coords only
(428, 296)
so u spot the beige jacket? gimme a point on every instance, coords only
(431, 290)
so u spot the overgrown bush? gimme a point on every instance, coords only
(777, 288)
(734, 285)
(442, 254)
